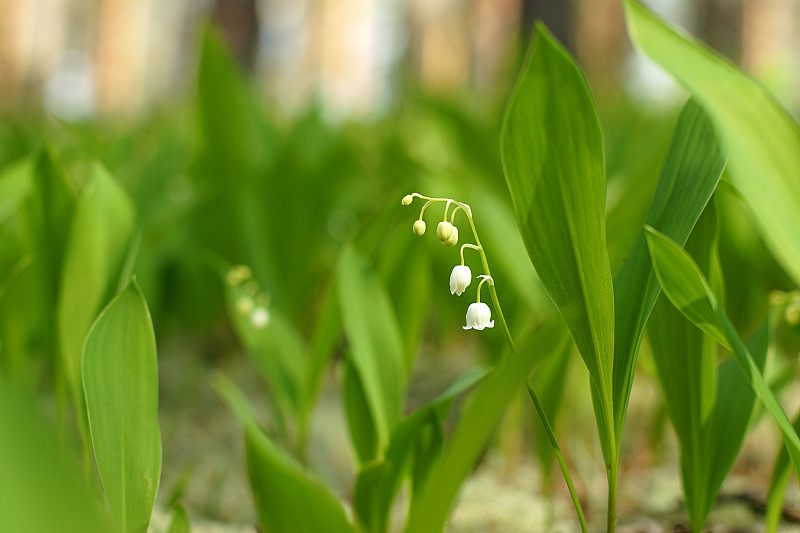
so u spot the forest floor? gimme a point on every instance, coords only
(204, 464)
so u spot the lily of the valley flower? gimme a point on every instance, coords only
(460, 278)
(444, 230)
(452, 240)
(419, 228)
(478, 316)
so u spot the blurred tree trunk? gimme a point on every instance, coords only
(556, 14)
(719, 24)
(238, 20)
(770, 35)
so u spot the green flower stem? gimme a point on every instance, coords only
(559, 455)
(510, 341)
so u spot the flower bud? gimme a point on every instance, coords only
(443, 230)
(407, 199)
(453, 239)
(419, 228)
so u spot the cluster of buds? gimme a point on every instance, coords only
(250, 301)
(478, 314)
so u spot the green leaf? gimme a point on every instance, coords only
(763, 138)
(688, 290)
(53, 205)
(360, 420)
(15, 185)
(231, 132)
(41, 492)
(120, 379)
(375, 345)
(685, 284)
(733, 409)
(180, 521)
(778, 481)
(287, 498)
(709, 408)
(378, 482)
(691, 170)
(98, 242)
(480, 414)
(552, 151)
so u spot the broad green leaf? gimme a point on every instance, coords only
(360, 420)
(733, 409)
(120, 379)
(41, 492)
(231, 132)
(690, 173)
(480, 413)
(375, 345)
(287, 498)
(688, 290)
(16, 184)
(180, 521)
(52, 207)
(98, 242)
(778, 481)
(327, 332)
(277, 348)
(685, 284)
(552, 152)
(709, 408)
(378, 482)
(763, 138)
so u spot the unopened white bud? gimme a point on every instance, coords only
(443, 230)
(244, 304)
(237, 274)
(453, 239)
(419, 228)
(407, 199)
(259, 318)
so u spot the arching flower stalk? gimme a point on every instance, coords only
(478, 314)
(461, 276)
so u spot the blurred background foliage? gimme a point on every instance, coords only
(273, 133)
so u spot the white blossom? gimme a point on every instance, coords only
(478, 316)
(259, 317)
(460, 278)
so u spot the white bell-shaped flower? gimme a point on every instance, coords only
(460, 278)
(478, 316)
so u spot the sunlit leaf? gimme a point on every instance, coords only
(375, 345)
(98, 243)
(479, 415)
(287, 498)
(688, 290)
(378, 482)
(553, 159)
(763, 138)
(180, 521)
(709, 407)
(120, 379)
(690, 173)
(40, 491)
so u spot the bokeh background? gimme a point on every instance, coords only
(84, 58)
(274, 133)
